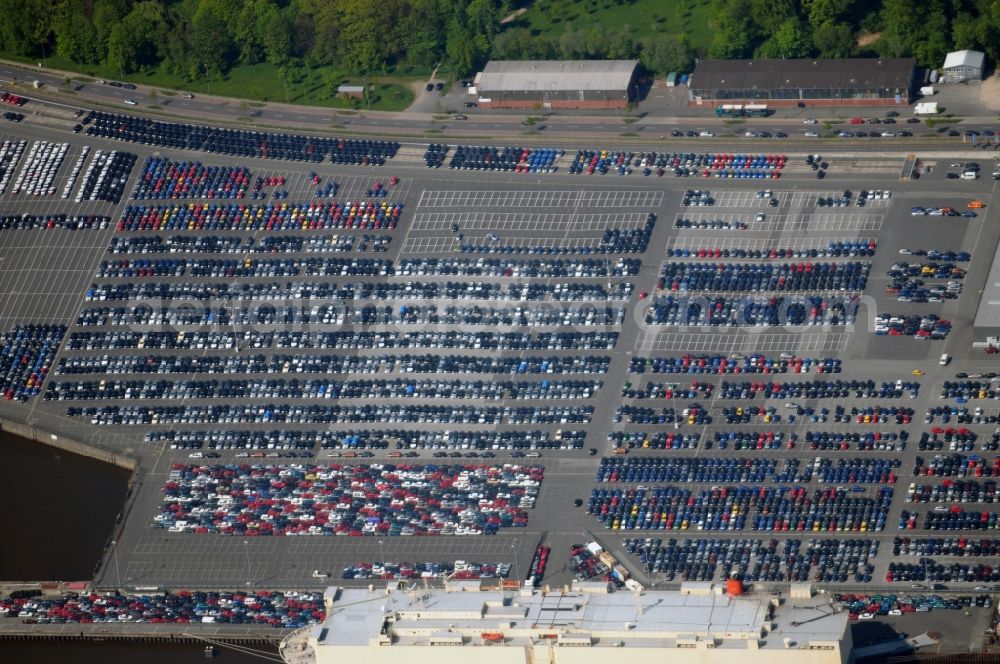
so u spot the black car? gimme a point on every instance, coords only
(471, 104)
(439, 86)
(913, 121)
(954, 133)
(77, 128)
(429, 87)
(952, 176)
(677, 133)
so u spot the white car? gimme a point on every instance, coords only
(811, 134)
(750, 134)
(809, 121)
(707, 134)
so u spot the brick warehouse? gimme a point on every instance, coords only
(548, 84)
(803, 82)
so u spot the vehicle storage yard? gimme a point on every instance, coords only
(587, 292)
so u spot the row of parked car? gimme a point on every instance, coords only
(816, 389)
(316, 215)
(660, 440)
(957, 465)
(693, 413)
(703, 470)
(612, 241)
(955, 547)
(734, 364)
(807, 276)
(38, 170)
(271, 244)
(281, 610)
(881, 441)
(931, 570)
(833, 249)
(238, 142)
(735, 508)
(970, 389)
(383, 499)
(70, 222)
(26, 354)
(754, 310)
(287, 413)
(375, 439)
(153, 316)
(328, 364)
(162, 177)
(701, 559)
(534, 268)
(510, 159)
(956, 442)
(106, 176)
(128, 268)
(458, 570)
(865, 607)
(271, 388)
(950, 491)
(367, 290)
(10, 154)
(930, 326)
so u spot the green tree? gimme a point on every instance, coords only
(834, 40)
(666, 54)
(932, 48)
(76, 36)
(420, 26)
(734, 32)
(26, 26)
(363, 33)
(903, 20)
(278, 38)
(790, 40)
(483, 17)
(769, 15)
(821, 12)
(212, 46)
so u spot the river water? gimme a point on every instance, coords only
(58, 512)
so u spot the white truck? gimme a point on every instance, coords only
(926, 108)
(927, 91)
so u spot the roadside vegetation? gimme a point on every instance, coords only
(301, 50)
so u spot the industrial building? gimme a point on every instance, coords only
(961, 66)
(986, 326)
(702, 622)
(803, 82)
(549, 84)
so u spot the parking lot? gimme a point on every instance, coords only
(386, 283)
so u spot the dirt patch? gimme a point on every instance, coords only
(989, 93)
(868, 38)
(512, 16)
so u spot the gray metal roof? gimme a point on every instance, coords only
(988, 314)
(964, 59)
(542, 75)
(651, 618)
(802, 73)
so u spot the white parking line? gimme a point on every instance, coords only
(700, 342)
(526, 221)
(587, 198)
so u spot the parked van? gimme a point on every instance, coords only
(945, 359)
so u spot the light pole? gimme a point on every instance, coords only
(381, 554)
(246, 550)
(517, 575)
(207, 79)
(118, 573)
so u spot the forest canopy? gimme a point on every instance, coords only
(188, 38)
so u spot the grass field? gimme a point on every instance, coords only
(645, 17)
(262, 83)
